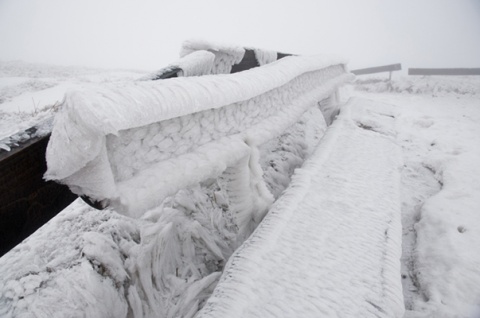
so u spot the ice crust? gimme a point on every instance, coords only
(109, 141)
(330, 246)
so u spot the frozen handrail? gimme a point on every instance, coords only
(97, 128)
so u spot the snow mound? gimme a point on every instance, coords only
(124, 142)
(330, 246)
(431, 85)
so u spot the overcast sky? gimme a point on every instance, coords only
(147, 34)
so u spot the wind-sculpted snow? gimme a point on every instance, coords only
(330, 246)
(135, 144)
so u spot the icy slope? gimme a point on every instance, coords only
(330, 246)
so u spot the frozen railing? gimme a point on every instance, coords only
(132, 145)
(196, 161)
(27, 201)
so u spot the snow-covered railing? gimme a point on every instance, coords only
(22, 196)
(197, 161)
(132, 145)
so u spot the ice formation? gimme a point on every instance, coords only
(164, 264)
(225, 55)
(197, 161)
(136, 132)
(330, 246)
(265, 56)
(197, 63)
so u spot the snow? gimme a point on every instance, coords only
(438, 129)
(196, 63)
(32, 93)
(265, 56)
(226, 55)
(167, 262)
(137, 132)
(331, 244)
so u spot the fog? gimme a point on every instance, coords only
(147, 34)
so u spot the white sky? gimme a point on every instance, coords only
(147, 34)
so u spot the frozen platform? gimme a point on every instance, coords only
(331, 245)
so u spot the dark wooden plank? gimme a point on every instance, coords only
(378, 69)
(444, 71)
(26, 200)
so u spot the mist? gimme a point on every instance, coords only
(148, 34)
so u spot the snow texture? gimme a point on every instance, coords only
(431, 85)
(225, 55)
(37, 131)
(265, 56)
(124, 142)
(197, 63)
(330, 246)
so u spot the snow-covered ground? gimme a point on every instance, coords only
(99, 264)
(31, 93)
(438, 128)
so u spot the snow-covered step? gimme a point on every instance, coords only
(331, 245)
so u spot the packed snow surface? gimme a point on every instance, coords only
(438, 128)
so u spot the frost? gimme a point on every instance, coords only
(331, 243)
(196, 63)
(124, 143)
(265, 56)
(225, 55)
